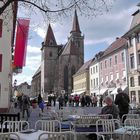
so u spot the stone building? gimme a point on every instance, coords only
(133, 37)
(60, 62)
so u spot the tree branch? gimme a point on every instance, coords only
(8, 2)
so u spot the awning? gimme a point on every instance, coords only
(77, 93)
(122, 87)
(102, 91)
(114, 91)
(96, 92)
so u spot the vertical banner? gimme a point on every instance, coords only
(21, 42)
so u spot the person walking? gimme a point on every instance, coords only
(122, 100)
(61, 101)
(94, 100)
(25, 105)
(101, 101)
(40, 103)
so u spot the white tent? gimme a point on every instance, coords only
(77, 93)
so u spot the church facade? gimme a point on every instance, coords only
(60, 62)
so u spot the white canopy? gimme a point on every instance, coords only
(123, 87)
(102, 91)
(77, 93)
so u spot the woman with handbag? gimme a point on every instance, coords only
(40, 103)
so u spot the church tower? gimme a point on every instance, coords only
(72, 57)
(49, 62)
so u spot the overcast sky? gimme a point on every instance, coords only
(99, 33)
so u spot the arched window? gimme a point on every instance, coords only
(66, 82)
(72, 73)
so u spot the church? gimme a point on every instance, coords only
(59, 62)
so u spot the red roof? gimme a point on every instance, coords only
(119, 43)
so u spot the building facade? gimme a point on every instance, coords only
(113, 68)
(7, 33)
(94, 75)
(36, 83)
(60, 62)
(81, 80)
(24, 88)
(133, 37)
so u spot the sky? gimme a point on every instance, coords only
(99, 32)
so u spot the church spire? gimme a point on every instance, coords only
(50, 39)
(75, 27)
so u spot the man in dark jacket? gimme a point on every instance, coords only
(122, 100)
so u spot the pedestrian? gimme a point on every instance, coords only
(76, 99)
(110, 108)
(65, 100)
(54, 100)
(61, 101)
(19, 101)
(83, 101)
(122, 100)
(101, 101)
(25, 105)
(94, 100)
(40, 103)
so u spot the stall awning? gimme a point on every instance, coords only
(122, 87)
(77, 93)
(102, 91)
(114, 91)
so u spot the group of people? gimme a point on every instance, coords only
(23, 102)
(84, 100)
(117, 108)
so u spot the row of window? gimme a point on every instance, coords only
(94, 82)
(80, 85)
(109, 62)
(94, 69)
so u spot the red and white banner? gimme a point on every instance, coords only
(21, 42)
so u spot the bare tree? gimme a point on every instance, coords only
(54, 9)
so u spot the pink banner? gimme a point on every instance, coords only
(21, 42)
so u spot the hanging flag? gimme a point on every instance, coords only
(21, 42)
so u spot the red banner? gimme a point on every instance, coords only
(21, 42)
